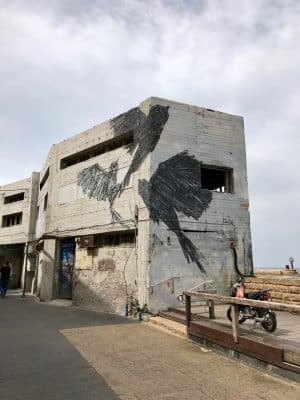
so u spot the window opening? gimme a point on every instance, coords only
(14, 198)
(101, 148)
(116, 239)
(44, 179)
(45, 201)
(217, 179)
(12, 219)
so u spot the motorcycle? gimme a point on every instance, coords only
(265, 316)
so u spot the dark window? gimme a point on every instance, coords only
(44, 179)
(14, 198)
(12, 219)
(45, 201)
(217, 179)
(108, 145)
(116, 239)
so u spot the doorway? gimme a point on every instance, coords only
(66, 267)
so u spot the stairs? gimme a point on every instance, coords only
(174, 314)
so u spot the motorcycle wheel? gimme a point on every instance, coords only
(241, 316)
(270, 322)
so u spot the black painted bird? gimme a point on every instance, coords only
(176, 187)
(146, 130)
(101, 185)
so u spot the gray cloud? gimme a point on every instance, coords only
(68, 65)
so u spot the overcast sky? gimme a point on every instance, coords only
(67, 65)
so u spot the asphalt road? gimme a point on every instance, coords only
(37, 362)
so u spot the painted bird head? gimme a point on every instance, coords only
(159, 114)
(114, 165)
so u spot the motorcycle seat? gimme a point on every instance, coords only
(254, 295)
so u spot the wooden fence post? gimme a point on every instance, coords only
(188, 309)
(211, 309)
(235, 322)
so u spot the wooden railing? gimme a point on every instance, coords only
(234, 302)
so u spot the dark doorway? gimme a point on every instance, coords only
(14, 253)
(66, 266)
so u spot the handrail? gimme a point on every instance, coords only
(234, 301)
(209, 284)
(247, 302)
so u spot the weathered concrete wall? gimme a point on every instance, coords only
(47, 270)
(105, 277)
(214, 139)
(74, 210)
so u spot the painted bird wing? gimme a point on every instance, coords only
(95, 182)
(177, 184)
(132, 120)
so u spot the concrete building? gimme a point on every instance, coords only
(18, 218)
(144, 206)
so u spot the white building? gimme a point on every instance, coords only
(18, 218)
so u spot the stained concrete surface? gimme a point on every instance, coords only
(37, 362)
(142, 362)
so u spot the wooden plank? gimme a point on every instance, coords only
(254, 303)
(188, 310)
(235, 322)
(253, 348)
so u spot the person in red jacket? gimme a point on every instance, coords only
(5, 276)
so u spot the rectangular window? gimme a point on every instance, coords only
(14, 198)
(45, 201)
(101, 148)
(44, 179)
(114, 239)
(11, 220)
(217, 179)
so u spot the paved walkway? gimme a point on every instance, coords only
(141, 362)
(62, 353)
(37, 362)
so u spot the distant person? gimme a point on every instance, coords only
(4, 280)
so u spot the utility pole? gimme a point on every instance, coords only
(25, 267)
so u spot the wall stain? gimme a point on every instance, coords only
(106, 264)
(176, 187)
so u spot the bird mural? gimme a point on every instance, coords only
(146, 130)
(175, 187)
(101, 184)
